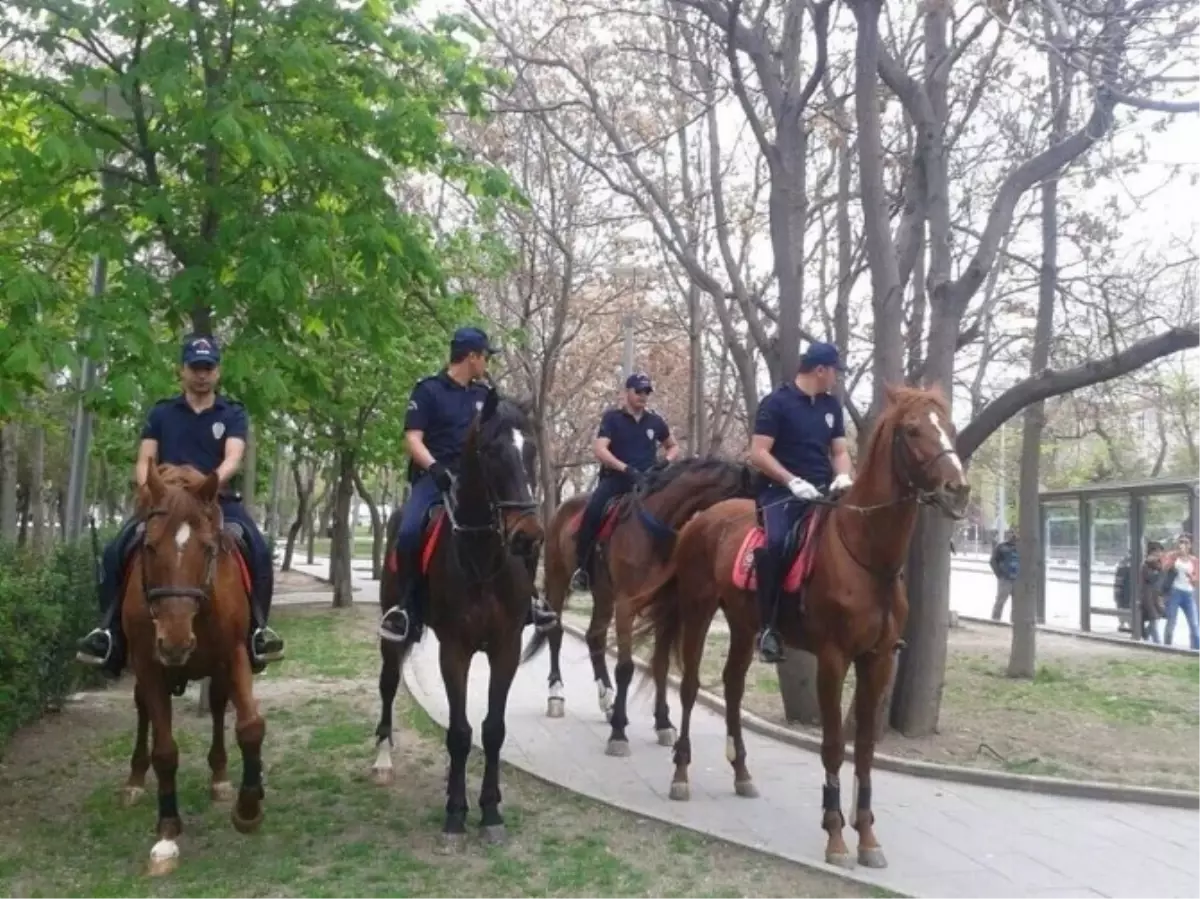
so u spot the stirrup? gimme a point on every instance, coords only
(402, 623)
(88, 658)
(266, 634)
(543, 618)
(580, 580)
(773, 654)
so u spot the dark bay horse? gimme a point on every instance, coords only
(185, 612)
(641, 534)
(853, 608)
(478, 580)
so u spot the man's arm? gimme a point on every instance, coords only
(604, 455)
(237, 430)
(671, 447)
(761, 458)
(840, 456)
(415, 441)
(147, 453)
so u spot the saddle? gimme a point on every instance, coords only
(431, 530)
(800, 553)
(608, 520)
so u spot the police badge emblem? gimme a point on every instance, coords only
(479, 405)
(649, 433)
(829, 419)
(218, 429)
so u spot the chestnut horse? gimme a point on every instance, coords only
(479, 583)
(643, 527)
(186, 612)
(853, 608)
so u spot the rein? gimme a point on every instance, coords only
(497, 525)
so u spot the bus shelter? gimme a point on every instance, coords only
(1091, 535)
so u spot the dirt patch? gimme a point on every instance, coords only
(298, 582)
(1092, 712)
(329, 830)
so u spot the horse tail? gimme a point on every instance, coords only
(658, 613)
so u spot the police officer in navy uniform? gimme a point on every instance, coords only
(204, 429)
(440, 411)
(626, 445)
(799, 444)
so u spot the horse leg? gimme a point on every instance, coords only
(503, 663)
(389, 683)
(139, 764)
(164, 856)
(660, 665)
(737, 664)
(596, 634)
(456, 665)
(618, 742)
(220, 789)
(692, 641)
(872, 672)
(556, 703)
(247, 813)
(831, 674)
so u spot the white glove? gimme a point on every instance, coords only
(841, 484)
(801, 489)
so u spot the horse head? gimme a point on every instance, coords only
(501, 470)
(179, 555)
(922, 447)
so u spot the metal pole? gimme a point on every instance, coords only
(82, 434)
(627, 361)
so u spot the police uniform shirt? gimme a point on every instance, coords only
(803, 427)
(188, 437)
(633, 440)
(443, 409)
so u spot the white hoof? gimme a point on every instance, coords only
(556, 707)
(681, 791)
(381, 771)
(840, 859)
(164, 858)
(746, 789)
(131, 795)
(222, 791)
(872, 858)
(667, 736)
(618, 749)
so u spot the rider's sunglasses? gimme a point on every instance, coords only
(642, 392)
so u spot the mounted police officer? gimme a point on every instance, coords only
(440, 411)
(204, 429)
(626, 445)
(799, 444)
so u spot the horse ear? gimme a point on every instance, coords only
(207, 492)
(490, 404)
(154, 483)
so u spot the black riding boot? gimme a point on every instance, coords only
(770, 650)
(104, 647)
(265, 645)
(404, 622)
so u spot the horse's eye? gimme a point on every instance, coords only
(912, 430)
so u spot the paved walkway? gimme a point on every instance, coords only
(941, 839)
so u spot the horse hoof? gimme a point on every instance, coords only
(453, 843)
(618, 749)
(382, 776)
(681, 791)
(245, 825)
(221, 791)
(745, 789)
(840, 859)
(667, 736)
(555, 707)
(494, 834)
(164, 858)
(130, 795)
(872, 857)
(607, 715)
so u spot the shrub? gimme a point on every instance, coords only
(47, 602)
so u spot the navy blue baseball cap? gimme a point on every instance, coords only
(201, 351)
(818, 354)
(639, 382)
(473, 340)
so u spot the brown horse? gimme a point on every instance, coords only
(853, 608)
(185, 613)
(479, 581)
(634, 543)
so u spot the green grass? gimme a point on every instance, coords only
(329, 831)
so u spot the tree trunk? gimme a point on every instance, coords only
(377, 528)
(250, 472)
(8, 483)
(318, 517)
(303, 493)
(798, 687)
(339, 540)
(277, 466)
(37, 478)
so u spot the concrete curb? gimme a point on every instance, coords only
(1118, 642)
(859, 876)
(1028, 783)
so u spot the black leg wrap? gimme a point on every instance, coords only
(864, 799)
(252, 773)
(168, 805)
(831, 798)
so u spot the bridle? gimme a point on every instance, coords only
(201, 594)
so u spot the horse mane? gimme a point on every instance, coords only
(715, 475)
(659, 479)
(902, 402)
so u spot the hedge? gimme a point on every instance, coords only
(47, 602)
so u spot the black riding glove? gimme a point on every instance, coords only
(441, 476)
